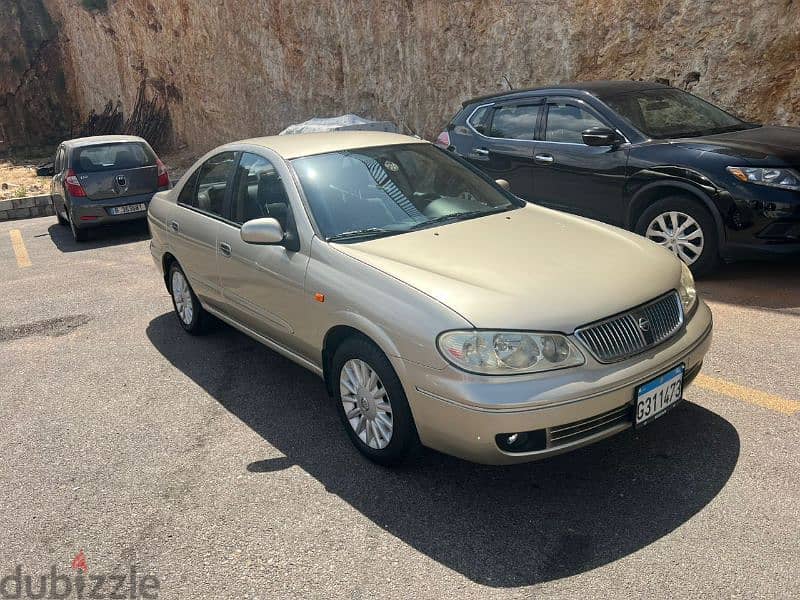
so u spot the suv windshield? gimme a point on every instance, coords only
(115, 156)
(669, 113)
(371, 192)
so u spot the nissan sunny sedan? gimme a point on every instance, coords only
(439, 309)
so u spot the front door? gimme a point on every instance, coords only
(574, 177)
(506, 151)
(262, 285)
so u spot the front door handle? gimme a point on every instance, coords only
(544, 159)
(481, 152)
(175, 226)
(225, 249)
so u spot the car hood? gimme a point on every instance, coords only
(757, 144)
(532, 268)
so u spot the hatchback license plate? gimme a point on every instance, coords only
(128, 208)
(655, 397)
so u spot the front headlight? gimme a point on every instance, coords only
(787, 179)
(508, 352)
(687, 291)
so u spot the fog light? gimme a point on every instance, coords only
(522, 441)
(512, 439)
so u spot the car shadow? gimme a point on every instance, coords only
(498, 526)
(773, 285)
(100, 237)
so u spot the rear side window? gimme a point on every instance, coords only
(566, 123)
(112, 157)
(480, 119)
(213, 178)
(515, 122)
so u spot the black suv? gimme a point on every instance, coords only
(643, 156)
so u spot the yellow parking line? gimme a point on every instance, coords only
(746, 394)
(21, 252)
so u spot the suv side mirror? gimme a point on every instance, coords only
(601, 136)
(262, 231)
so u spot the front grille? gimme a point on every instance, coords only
(572, 432)
(633, 331)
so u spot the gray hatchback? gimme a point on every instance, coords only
(104, 179)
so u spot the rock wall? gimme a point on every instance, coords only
(235, 68)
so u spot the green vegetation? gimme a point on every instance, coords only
(21, 192)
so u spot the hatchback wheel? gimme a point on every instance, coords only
(61, 215)
(372, 403)
(685, 228)
(190, 313)
(78, 234)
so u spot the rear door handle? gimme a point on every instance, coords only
(175, 226)
(544, 159)
(225, 249)
(481, 151)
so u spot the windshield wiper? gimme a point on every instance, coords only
(367, 232)
(462, 216)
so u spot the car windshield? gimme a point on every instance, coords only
(670, 113)
(115, 156)
(372, 192)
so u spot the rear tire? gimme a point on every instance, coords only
(78, 234)
(372, 403)
(61, 220)
(684, 227)
(191, 314)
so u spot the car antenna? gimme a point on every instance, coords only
(508, 83)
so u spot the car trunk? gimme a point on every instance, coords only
(116, 170)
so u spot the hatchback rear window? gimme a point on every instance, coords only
(107, 157)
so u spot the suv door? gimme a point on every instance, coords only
(193, 226)
(503, 143)
(262, 285)
(572, 176)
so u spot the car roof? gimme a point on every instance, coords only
(101, 139)
(306, 144)
(600, 88)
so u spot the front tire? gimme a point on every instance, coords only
(188, 309)
(372, 403)
(685, 228)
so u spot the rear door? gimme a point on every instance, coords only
(116, 170)
(572, 176)
(504, 143)
(194, 225)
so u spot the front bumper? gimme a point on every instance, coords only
(460, 414)
(94, 213)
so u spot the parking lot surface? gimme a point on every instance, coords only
(221, 469)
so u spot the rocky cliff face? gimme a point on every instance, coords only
(235, 68)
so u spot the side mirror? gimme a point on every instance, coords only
(46, 170)
(600, 136)
(503, 184)
(262, 231)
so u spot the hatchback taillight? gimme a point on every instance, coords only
(74, 188)
(163, 176)
(443, 141)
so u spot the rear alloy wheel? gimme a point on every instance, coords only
(372, 403)
(187, 307)
(684, 228)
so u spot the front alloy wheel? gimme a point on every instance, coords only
(366, 403)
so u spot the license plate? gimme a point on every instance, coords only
(128, 208)
(655, 397)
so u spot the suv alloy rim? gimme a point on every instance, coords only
(678, 232)
(183, 297)
(366, 403)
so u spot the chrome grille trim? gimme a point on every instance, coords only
(620, 337)
(571, 432)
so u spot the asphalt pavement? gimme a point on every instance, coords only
(218, 469)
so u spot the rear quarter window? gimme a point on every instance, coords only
(112, 157)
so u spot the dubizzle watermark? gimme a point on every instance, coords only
(79, 583)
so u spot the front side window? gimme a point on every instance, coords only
(260, 191)
(370, 192)
(668, 112)
(567, 122)
(113, 157)
(515, 122)
(211, 184)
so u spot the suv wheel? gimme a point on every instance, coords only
(685, 228)
(372, 403)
